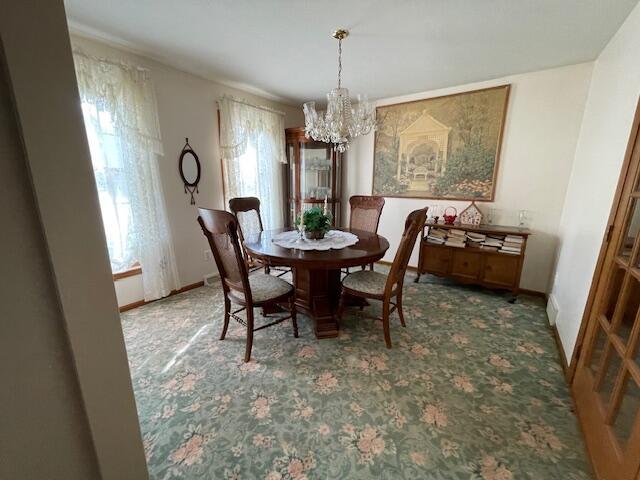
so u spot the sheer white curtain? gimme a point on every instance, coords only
(119, 107)
(252, 149)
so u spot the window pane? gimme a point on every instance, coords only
(598, 349)
(609, 380)
(629, 310)
(614, 289)
(630, 231)
(112, 185)
(628, 412)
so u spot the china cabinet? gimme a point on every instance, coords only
(313, 173)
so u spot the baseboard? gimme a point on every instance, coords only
(131, 306)
(140, 303)
(524, 291)
(533, 293)
(563, 358)
(552, 310)
(388, 264)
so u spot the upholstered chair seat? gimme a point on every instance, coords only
(367, 281)
(266, 287)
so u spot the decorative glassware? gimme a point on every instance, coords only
(491, 216)
(523, 218)
(436, 213)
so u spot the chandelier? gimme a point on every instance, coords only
(341, 122)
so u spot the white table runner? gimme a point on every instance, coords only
(333, 239)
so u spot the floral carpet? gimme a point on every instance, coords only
(472, 389)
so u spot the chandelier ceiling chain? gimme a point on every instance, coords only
(341, 122)
(339, 62)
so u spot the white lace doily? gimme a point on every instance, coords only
(333, 239)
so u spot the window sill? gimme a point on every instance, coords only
(133, 271)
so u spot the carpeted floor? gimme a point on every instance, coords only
(471, 390)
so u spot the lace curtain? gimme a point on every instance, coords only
(119, 108)
(253, 152)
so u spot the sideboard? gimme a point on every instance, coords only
(474, 265)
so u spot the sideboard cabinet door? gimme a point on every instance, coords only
(501, 270)
(466, 265)
(435, 259)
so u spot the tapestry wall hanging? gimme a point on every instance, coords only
(445, 147)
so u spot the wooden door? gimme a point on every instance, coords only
(607, 378)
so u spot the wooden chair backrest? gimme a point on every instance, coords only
(221, 230)
(365, 212)
(412, 226)
(246, 209)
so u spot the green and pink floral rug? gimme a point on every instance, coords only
(471, 390)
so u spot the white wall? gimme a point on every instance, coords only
(186, 108)
(542, 126)
(611, 104)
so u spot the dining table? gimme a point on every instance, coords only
(317, 273)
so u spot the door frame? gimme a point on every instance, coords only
(624, 171)
(56, 154)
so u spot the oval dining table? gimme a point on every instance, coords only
(316, 273)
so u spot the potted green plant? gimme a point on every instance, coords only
(315, 223)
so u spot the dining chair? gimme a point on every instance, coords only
(247, 212)
(249, 292)
(365, 215)
(368, 284)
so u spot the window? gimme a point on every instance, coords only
(121, 122)
(112, 187)
(252, 148)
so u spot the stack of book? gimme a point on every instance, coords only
(475, 239)
(492, 243)
(456, 238)
(512, 244)
(437, 236)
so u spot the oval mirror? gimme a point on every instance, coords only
(190, 168)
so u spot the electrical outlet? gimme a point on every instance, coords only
(208, 255)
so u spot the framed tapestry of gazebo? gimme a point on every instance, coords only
(444, 147)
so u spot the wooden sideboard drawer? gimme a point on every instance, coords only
(466, 264)
(435, 259)
(501, 270)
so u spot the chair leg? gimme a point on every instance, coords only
(227, 311)
(399, 308)
(343, 297)
(371, 267)
(294, 320)
(247, 352)
(385, 323)
(267, 269)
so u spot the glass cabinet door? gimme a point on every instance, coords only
(315, 172)
(290, 186)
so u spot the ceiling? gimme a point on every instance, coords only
(283, 49)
